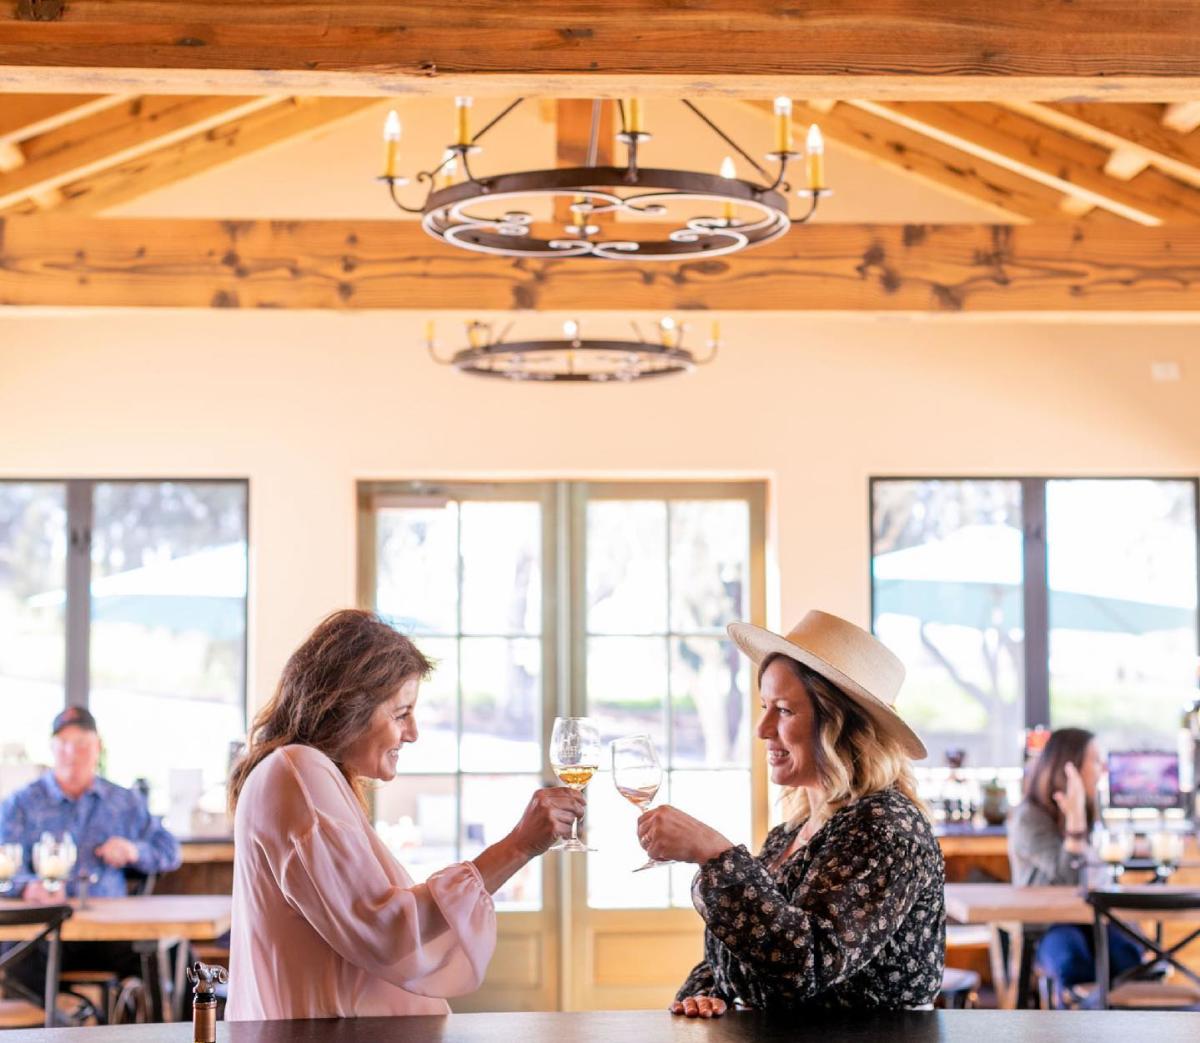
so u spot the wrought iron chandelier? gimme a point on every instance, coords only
(493, 214)
(573, 356)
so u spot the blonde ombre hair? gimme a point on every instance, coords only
(853, 758)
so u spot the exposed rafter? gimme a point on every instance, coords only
(892, 147)
(1133, 130)
(120, 133)
(292, 119)
(1027, 146)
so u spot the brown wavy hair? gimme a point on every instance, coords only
(350, 664)
(853, 758)
(1048, 774)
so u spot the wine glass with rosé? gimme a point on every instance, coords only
(637, 774)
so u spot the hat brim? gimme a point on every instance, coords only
(758, 643)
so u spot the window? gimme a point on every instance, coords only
(1016, 602)
(128, 597)
(626, 591)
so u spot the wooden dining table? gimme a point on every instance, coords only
(1008, 910)
(657, 1026)
(168, 920)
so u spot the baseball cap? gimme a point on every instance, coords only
(76, 715)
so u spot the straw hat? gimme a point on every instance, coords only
(865, 670)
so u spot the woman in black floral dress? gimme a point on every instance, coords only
(844, 906)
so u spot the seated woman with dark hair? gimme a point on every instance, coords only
(844, 907)
(326, 922)
(1048, 842)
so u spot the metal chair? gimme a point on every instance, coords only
(28, 1010)
(1138, 988)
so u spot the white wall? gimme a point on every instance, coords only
(304, 405)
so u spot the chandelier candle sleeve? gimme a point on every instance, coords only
(635, 116)
(728, 171)
(783, 125)
(462, 108)
(391, 143)
(814, 148)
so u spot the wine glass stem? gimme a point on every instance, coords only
(574, 831)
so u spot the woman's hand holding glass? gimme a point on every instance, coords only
(637, 774)
(668, 833)
(550, 815)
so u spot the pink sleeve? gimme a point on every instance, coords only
(434, 939)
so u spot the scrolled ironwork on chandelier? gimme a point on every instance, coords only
(494, 214)
(575, 357)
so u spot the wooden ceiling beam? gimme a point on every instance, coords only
(290, 120)
(957, 269)
(1007, 196)
(572, 48)
(1027, 146)
(1134, 129)
(81, 148)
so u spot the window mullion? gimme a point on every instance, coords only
(1036, 595)
(78, 621)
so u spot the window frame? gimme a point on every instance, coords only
(77, 609)
(1035, 584)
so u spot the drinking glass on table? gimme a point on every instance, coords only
(575, 758)
(53, 860)
(1166, 848)
(637, 774)
(12, 856)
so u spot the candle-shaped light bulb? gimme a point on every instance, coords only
(475, 334)
(783, 124)
(391, 142)
(728, 170)
(668, 332)
(462, 108)
(571, 330)
(635, 116)
(449, 168)
(814, 148)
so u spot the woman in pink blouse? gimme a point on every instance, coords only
(326, 923)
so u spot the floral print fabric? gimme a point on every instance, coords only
(855, 918)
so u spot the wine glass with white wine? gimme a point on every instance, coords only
(575, 758)
(637, 774)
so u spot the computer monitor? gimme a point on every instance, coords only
(1143, 779)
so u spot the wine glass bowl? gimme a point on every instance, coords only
(53, 860)
(637, 774)
(575, 758)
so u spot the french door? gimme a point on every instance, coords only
(539, 599)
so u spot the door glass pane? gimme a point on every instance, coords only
(626, 567)
(501, 568)
(710, 541)
(417, 817)
(627, 687)
(710, 703)
(168, 637)
(33, 577)
(501, 704)
(688, 688)
(436, 748)
(465, 579)
(491, 806)
(416, 568)
(947, 571)
(1121, 564)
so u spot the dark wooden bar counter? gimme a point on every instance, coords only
(953, 1026)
